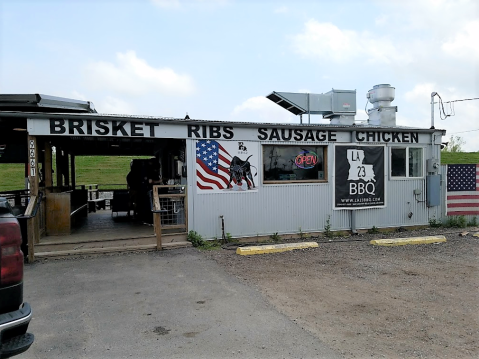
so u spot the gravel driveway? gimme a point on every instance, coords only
(415, 301)
(171, 304)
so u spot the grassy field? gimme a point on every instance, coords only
(105, 170)
(450, 158)
(101, 170)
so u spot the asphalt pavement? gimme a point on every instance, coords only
(170, 304)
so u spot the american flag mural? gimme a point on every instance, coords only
(212, 163)
(462, 190)
(213, 159)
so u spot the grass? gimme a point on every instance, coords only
(100, 170)
(453, 158)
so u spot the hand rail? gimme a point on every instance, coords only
(150, 194)
(35, 209)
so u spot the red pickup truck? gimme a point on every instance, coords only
(14, 314)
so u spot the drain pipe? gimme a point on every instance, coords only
(353, 212)
(223, 237)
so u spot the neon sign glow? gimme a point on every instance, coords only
(306, 159)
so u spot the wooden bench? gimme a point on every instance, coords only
(64, 211)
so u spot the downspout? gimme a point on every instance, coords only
(353, 212)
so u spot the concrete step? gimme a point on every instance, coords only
(68, 244)
(126, 248)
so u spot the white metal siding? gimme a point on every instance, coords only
(290, 208)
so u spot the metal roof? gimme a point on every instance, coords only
(11, 115)
(43, 103)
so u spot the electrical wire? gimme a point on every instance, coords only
(464, 99)
(452, 112)
(442, 112)
(453, 133)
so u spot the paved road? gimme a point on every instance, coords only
(173, 304)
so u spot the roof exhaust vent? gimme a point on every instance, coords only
(382, 114)
(339, 106)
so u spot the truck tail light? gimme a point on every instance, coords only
(11, 256)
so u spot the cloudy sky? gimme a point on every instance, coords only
(218, 59)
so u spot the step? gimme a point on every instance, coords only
(55, 246)
(91, 251)
(76, 244)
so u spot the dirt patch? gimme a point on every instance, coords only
(415, 301)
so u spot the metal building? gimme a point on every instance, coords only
(253, 179)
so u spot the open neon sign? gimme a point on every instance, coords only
(306, 159)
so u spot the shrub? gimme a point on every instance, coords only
(275, 237)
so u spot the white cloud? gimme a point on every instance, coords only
(134, 76)
(112, 105)
(464, 43)
(281, 10)
(421, 93)
(167, 4)
(326, 41)
(260, 109)
(78, 96)
(176, 4)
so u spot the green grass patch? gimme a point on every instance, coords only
(197, 241)
(12, 176)
(101, 170)
(459, 158)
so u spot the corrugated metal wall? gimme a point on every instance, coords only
(291, 208)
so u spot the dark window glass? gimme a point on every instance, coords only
(398, 162)
(406, 158)
(293, 163)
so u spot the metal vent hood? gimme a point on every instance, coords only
(337, 105)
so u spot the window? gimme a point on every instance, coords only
(294, 163)
(407, 162)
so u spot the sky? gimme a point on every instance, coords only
(219, 59)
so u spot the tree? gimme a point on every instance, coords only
(454, 145)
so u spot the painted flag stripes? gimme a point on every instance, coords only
(212, 164)
(462, 190)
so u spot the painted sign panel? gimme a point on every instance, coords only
(105, 126)
(226, 166)
(359, 177)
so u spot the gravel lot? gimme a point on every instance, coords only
(414, 301)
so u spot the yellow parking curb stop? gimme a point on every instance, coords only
(274, 248)
(404, 241)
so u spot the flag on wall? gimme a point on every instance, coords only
(212, 166)
(462, 190)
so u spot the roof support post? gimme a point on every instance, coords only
(33, 234)
(48, 167)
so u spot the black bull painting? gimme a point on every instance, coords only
(240, 169)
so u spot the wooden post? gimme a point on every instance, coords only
(157, 223)
(157, 218)
(48, 168)
(66, 168)
(72, 162)
(33, 234)
(59, 168)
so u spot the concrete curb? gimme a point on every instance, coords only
(404, 241)
(274, 248)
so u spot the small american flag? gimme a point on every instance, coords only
(212, 164)
(462, 190)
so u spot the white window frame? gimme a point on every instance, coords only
(407, 162)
